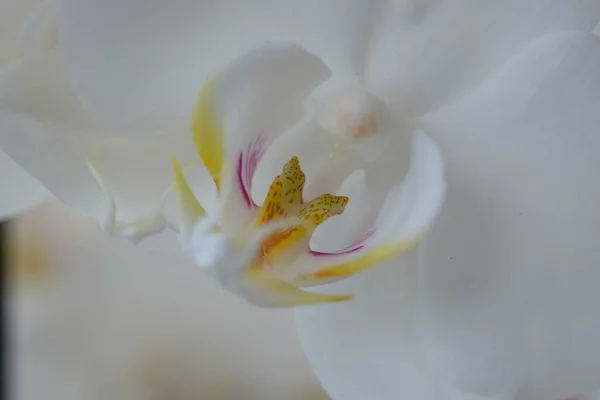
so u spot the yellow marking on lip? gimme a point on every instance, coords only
(277, 293)
(369, 259)
(285, 199)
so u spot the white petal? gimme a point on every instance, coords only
(425, 53)
(325, 166)
(220, 256)
(312, 147)
(139, 60)
(369, 348)
(408, 211)
(344, 230)
(259, 96)
(45, 130)
(20, 191)
(39, 87)
(411, 209)
(372, 347)
(510, 271)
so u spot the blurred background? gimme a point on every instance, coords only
(95, 318)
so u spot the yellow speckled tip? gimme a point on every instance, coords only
(285, 199)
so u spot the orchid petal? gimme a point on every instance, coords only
(423, 54)
(47, 132)
(134, 230)
(207, 131)
(267, 291)
(220, 255)
(409, 211)
(325, 163)
(508, 299)
(38, 87)
(335, 233)
(244, 109)
(156, 54)
(335, 337)
(510, 271)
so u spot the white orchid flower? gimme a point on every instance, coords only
(370, 97)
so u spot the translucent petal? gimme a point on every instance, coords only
(325, 167)
(139, 61)
(257, 97)
(423, 54)
(336, 233)
(405, 217)
(369, 348)
(39, 87)
(510, 271)
(504, 297)
(47, 132)
(207, 130)
(228, 261)
(273, 292)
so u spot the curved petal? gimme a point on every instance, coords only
(247, 107)
(406, 215)
(371, 347)
(46, 131)
(344, 343)
(20, 191)
(220, 256)
(139, 61)
(345, 229)
(423, 54)
(306, 141)
(510, 271)
(38, 87)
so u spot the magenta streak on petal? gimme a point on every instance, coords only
(241, 181)
(350, 249)
(246, 166)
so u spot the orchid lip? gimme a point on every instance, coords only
(263, 253)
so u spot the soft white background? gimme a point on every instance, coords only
(96, 319)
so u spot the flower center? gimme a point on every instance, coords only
(284, 200)
(356, 113)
